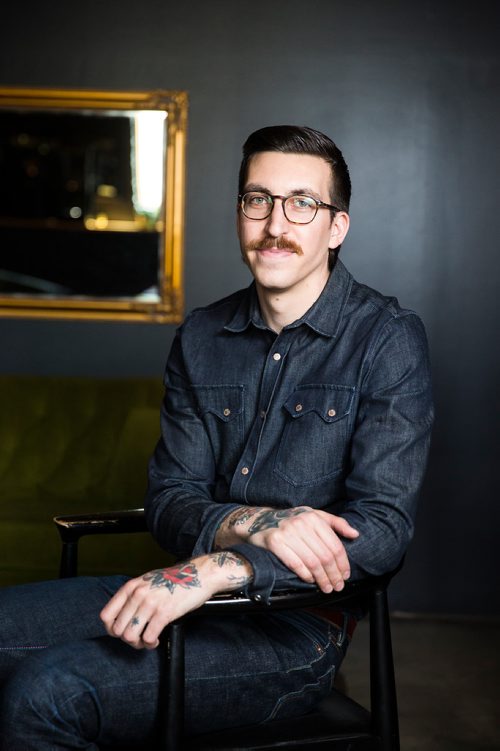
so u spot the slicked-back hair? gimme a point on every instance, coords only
(294, 139)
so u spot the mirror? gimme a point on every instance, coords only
(92, 204)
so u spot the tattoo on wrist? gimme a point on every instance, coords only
(226, 557)
(241, 516)
(239, 581)
(185, 575)
(272, 518)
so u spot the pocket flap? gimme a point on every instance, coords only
(330, 402)
(226, 402)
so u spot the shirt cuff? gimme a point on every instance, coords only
(210, 522)
(264, 576)
(269, 573)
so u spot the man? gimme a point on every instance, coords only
(295, 430)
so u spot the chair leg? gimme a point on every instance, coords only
(171, 696)
(69, 560)
(382, 680)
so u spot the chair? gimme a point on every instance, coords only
(337, 723)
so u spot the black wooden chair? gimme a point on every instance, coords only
(337, 723)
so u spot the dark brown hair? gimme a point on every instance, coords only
(293, 139)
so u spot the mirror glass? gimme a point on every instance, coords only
(91, 204)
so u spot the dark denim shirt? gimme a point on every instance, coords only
(335, 413)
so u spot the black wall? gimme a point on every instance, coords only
(410, 92)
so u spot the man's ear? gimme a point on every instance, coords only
(238, 221)
(339, 229)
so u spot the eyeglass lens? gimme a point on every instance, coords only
(299, 209)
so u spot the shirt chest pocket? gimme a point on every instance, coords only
(221, 410)
(314, 441)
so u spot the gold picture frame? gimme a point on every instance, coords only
(78, 238)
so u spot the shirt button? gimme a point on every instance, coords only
(298, 407)
(227, 412)
(245, 471)
(263, 414)
(331, 413)
(276, 356)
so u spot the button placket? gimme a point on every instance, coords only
(251, 451)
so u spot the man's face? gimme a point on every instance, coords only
(281, 255)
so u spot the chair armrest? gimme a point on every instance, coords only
(74, 526)
(292, 599)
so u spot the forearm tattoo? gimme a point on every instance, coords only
(272, 518)
(241, 516)
(228, 558)
(185, 575)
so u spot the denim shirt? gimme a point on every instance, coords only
(334, 412)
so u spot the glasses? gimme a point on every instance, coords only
(298, 209)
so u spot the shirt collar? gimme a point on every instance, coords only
(324, 316)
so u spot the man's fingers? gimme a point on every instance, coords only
(151, 634)
(337, 563)
(127, 614)
(308, 544)
(139, 623)
(126, 624)
(113, 608)
(306, 561)
(324, 555)
(341, 526)
(292, 561)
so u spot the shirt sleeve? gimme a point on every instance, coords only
(389, 447)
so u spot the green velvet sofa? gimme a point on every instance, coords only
(73, 445)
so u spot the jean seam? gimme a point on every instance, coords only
(307, 688)
(260, 673)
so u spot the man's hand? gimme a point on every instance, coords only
(141, 609)
(306, 540)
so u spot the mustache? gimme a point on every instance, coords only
(281, 243)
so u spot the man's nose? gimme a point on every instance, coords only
(277, 223)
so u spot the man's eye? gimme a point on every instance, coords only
(302, 202)
(257, 200)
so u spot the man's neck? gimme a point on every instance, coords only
(279, 308)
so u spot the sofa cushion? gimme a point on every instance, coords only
(72, 445)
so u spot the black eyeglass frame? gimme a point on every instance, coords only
(319, 205)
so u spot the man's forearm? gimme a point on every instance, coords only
(243, 522)
(222, 571)
(141, 609)
(305, 540)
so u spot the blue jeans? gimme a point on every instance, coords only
(66, 685)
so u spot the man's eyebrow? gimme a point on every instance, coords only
(305, 191)
(255, 188)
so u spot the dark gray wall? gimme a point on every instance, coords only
(409, 91)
